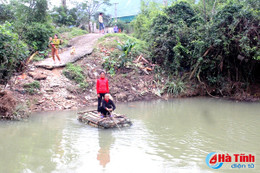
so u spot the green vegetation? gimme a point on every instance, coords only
(76, 32)
(32, 88)
(41, 55)
(123, 49)
(211, 44)
(110, 64)
(71, 32)
(63, 16)
(26, 25)
(36, 35)
(68, 33)
(175, 87)
(140, 46)
(126, 50)
(79, 16)
(75, 73)
(24, 28)
(123, 26)
(21, 111)
(214, 43)
(32, 22)
(13, 52)
(143, 21)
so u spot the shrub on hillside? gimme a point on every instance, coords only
(75, 73)
(37, 35)
(13, 52)
(224, 49)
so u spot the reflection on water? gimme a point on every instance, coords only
(173, 136)
(105, 141)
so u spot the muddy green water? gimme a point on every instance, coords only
(173, 136)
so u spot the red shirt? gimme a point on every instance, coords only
(102, 86)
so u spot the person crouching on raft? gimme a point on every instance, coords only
(107, 106)
(54, 44)
(102, 88)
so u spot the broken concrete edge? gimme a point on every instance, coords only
(51, 67)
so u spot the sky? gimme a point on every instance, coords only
(69, 2)
(124, 7)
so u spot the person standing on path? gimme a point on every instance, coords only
(115, 29)
(101, 23)
(102, 88)
(54, 44)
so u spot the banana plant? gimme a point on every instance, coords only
(126, 49)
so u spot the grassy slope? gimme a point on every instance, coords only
(111, 41)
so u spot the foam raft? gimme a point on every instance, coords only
(92, 118)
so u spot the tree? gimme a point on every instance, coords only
(142, 23)
(5, 13)
(64, 16)
(220, 52)
(31, 22)
(13, 52)
(28, 11)
(91, 7)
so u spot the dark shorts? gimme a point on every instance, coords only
(101, 26)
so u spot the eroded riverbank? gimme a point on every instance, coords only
(41, 89)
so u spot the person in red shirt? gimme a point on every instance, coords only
(102, 88)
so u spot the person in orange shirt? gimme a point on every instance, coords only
(54, 44)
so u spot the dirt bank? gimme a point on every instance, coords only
(10, 107)
(56, 92)
(47, 89)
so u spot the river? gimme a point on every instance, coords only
(166, 137)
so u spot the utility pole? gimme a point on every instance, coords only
(116, 11)
(64, 3)
(165, 2)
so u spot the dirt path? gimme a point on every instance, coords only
(83, 45)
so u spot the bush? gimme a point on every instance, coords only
(120, 57)
(125, 49)
(36, 35)
(69, 33)
(174, 87)
(224, 49)
(32, 88)
(76, 32)
(110, 64)
(64, 16)
(75, 73)
(13, 52)
(141, 47)
(5, 13)
(143, 22)
(63, 29)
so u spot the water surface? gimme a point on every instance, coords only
(173, 136)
